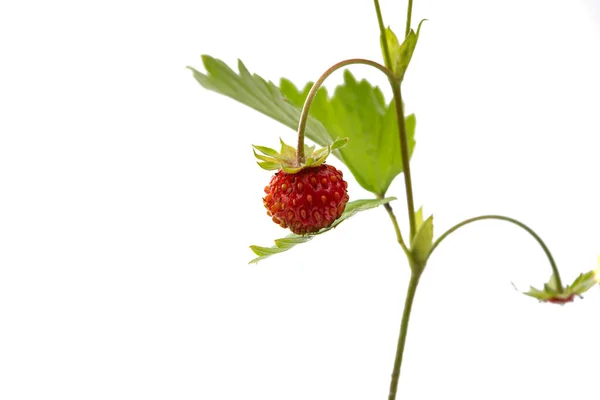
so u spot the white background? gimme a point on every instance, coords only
(129, 196)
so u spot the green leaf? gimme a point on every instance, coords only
(281, 245)
(257, 93)
(422, 242)
(292, 240)
(357, 110)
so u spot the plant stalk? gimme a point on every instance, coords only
(410, 295)
(415, 272)
(315, 88)
(384, 44)
(399, 237)
(395, 83)
(513, 221)
(405, 156)
(408, 17)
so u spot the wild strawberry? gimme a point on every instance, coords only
(306, 201)
(561, 300)
(556, 293)
(304, 197)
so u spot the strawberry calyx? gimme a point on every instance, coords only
(552, 294)
(287, 161)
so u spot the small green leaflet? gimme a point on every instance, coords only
(356, 111)
(292, 240)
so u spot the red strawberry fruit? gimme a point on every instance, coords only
(306, 201)
(303, 196)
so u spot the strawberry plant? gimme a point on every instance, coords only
(374, 139)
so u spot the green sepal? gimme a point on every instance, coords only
(269, 166)
(266, 158)
(401, 54)
(552, 285)
(288, 153)
(285, 159)
(552, 294)
(291, 170)
(318, 157)
(584, 282)
(267, 151)
(393, 47)
(418, 219)
(292, 240)
(339, 143)
(422, 241)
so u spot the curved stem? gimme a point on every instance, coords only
(408, 17)
(313, 92)
(513, 221)
(410, 295)
(384, 44)
(399, 115)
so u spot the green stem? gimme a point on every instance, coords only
(408, 17)
(407, 180)
(315, 88)
(390, 212)
(395, 83)
(405, 157)
(513, 221)
(410, 295)
(384, 44)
